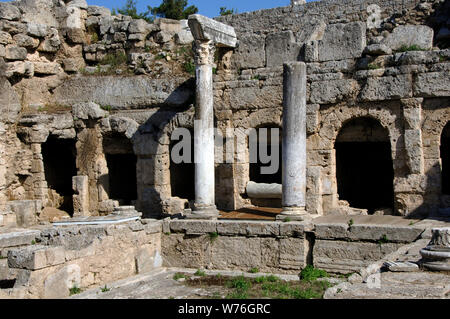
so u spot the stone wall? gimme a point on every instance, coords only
(73, 71)
(47, 263)
(364, 59)
(280, 247)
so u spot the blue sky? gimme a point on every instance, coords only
(209, 8)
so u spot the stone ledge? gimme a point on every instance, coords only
(366, 232)
(240, 228)
(18, 238)
(36, 257)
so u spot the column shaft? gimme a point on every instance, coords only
(294, 139)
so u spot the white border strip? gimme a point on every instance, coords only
(100, 222)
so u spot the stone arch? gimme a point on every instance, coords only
(120, 181)
(364, 169)
(322, 191)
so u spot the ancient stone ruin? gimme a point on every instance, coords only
(352, 97)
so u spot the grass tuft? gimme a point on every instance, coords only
(309, 273)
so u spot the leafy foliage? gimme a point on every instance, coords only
(309, 273)
(224, 11)
(130, 9)
(173, 9)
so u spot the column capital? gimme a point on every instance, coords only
(204, 52)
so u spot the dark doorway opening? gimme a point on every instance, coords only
(445, 158)
(364, 168)
(182, 175)
(255, 168)
(121, 162)
(122, 177)
(59, 156)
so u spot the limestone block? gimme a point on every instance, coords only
(18, 238)
(293, 252)
(25, 211)
(47, 68)
(414, 151)
(236, 253)
(206, 29)
(280, 48)
(393, 234)
(326, 92)
(51, 43)
(147, 259)
(9, 11)
(19, 68)
(89, 110)
(10, 106)
(342, 41)
(432, 84)
(36, 257)
(409, 35)
(98, 11)
(138, 26)
(412, 112)
(37, 30)
(5, 38)
(58, 284)
(377, 49)
(347, 257)
(26, 41)
(80, 185)
(193, 227)
(294, 229)
(251, 52)
(73, 64)
(14, 27)
(82, 4)
(387, 88)
(125, 92)
(312, 118)
(14, 52)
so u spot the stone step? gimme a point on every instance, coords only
(18, 238)
(8, 219)
(404, 266)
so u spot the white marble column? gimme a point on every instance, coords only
(207, 34)
(294, 142)
(204, 131)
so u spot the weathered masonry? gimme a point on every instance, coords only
(92, 106)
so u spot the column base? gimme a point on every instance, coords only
(293, 214)
(203, 212)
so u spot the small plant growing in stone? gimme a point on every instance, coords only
(383, 240)
(256, 77)
(413, 47)
(254, 270)
(33, 242)
(286, 220)
(200, 273)
(106, 108)
(105, 289)
(213, 236)
(350, 223)
(178, 276)
(74, 290)
(373, 66)
(167, 234)
(189, 67)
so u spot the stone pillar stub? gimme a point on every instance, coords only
(207, 35)
(294, 142)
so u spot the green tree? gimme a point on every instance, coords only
(224, 11)
(173, 9)
(129, 9)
